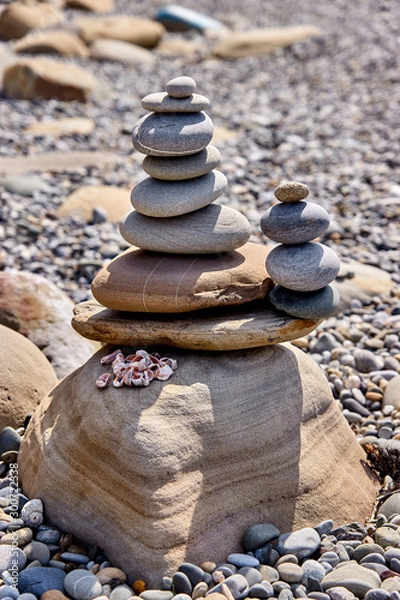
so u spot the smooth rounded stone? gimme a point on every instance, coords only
(312, 568)
(242, 560)
(47, 535)
(110, 575)
(172, 134)
(318, 304)
(285, 594)
(156, 198)
(291, 191)
(209, 230)
(261, 590)
(53, 595)
(200, 590)
(9, 440)
(82, 585)
(179, 18)
(193, 572)
(391, 394)
(385, 536)
(181, 87)
(252, 575)
(22, 184)
(7, 591)
(257, 536)
(353, 577)
(141, 281)
(340, 593)
(377, 594)
(390, 506)
(318, 596)
(160, 102)
(237, 585)
(301, 543)
(390, 553)
(38, 580)
(375, 557)
(156, 595)
(268, 573)
(303, 267)
(181, 583)
(182, 596)
(37, 551)
(367, 361)
(74, 557)
(290, 572)
(121, 592)
(394, 565)
(363, 550)
(178, 168)
(8, 555)
(324, 528)
(294, 223)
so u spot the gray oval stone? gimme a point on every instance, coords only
(290, 572)
(7, 591)
(291, 191)
(177, 168)
(365, 549)
(211, 229)
(9, 554)
(155, 198)
(305, 305)
(82, 585)
(261, 590)
(156, 595)
(181, 583)
(172, 134)
(295, 223)
(37, 551)
(252, 575)
(181, 87)
(161, 102)
(237, 584)
(38, 580)
(353, 577)
(312, 568)
(257, 536)
(302, 543)
(194, 572)
(303, 267)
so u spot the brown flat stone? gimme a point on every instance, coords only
(233, 328)
(141, 281)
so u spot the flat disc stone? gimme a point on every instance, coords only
(305, 305)
(214, 329)
(303, 267)
(211, 229)
(291, 191)
(161, 102)
(141, 281)
(181, 87)
(172, 134)
(295, 223)
(177, 168)
(155, 198)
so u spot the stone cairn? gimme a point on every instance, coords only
(189, 253)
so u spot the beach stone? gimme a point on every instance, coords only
(9, 440)
(53, 595)
(40, 311)
(17, 19)
(257, 536)
(363, 550)
(193, 572)
(291, 191)
(242, 560)
(290, 572)
(252, 575)
(38, 580)
(182, 167)
(27, 596)
(135, 30)
(67, 126)
(32, 78)
(181, 87)
(339, 593)
(384, 536)
(8, 555)
(231, 329)
(301, 543)
(121, 592)
(141, 281)
(181, 584)
(295, 222)
(74, 557)
(212, 229)
(91, 5)
(255, 42)
(391, 394)
(111, 575)
(7, 591)
(353, 577)
(57, 41)
(22, 536)
(161, 102)
(155, 198)
(306, 305)
(120, 51)
(261, 590)
(82, 585)
(303, 267)
(237, 585)
(377, 594)
(37, 551)
(82, 202)
(172, 134)
(177, 47)
(170, 439)
(312, 568)
(47, 535)
(179, 18)
(156, 595)
(367, 361)
(26, 377)
(23, 185)
(389, 507)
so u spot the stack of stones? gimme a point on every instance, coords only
(303, 269)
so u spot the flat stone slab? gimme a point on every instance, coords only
(215, 329)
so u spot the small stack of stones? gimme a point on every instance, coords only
(303, 269)
(174, 210)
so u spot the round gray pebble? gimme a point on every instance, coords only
(257, 536)
(82, 585)
(295, 223)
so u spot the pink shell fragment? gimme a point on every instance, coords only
(137, 369)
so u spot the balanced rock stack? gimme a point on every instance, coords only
(303, 269)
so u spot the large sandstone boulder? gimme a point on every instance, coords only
(36, 308)
(45, 78)
(178, 470)
(136, 30)
(57, 41)
(17, 19)
(26, 376)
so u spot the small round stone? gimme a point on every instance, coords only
(82, 585)
(290, 572)
(305, 305)
(257, 536)
(291, 191)
(242, 560)
(177, 168)
(295, 223)
(261, 590)
(37, 551)
(193, 572)
(181, 87)
(161, 102)
(302, 543)
(237, 585)
(181, 583)
(303, 267)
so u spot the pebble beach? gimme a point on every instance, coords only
(324, 112)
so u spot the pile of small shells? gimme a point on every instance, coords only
(136, 370)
